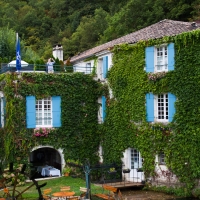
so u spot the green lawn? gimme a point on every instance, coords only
(54, 184)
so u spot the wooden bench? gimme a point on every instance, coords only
(109, 192)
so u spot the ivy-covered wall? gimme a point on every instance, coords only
(125, 125)
(78, 136)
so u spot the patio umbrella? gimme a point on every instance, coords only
(13, 63)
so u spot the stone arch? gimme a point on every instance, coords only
(47, 155)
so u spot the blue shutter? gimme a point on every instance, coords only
(103, 108)
(150, 107)
(171, 106)
(149, 57)
(105, 66)
(171, 55)
(56, 111)
(30, 112)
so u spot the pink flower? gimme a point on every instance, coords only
(42, 132)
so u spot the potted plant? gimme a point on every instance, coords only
(66, 171)
(112, 170)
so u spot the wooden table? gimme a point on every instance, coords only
(63, 194)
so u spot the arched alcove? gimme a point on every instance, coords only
(46, 155)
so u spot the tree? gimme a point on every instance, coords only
(87, 34)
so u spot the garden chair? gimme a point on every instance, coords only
(73, 198)
(65, 188)
(83, 191)
(47, 194)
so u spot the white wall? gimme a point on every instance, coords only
(163, 174)
(81, 66)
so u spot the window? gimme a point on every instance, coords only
(159, 58)
(161, 61)
(88, 68)
(161, 158)
(43, 112)
(102, 67)
(136, 160)
(102, 109)
(160, 108)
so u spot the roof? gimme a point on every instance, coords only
(158, 30)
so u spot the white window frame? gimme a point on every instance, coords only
(162, 53)
(100, 68)
(42, 103)
(88, 68)
(100, 112)
(161, 107)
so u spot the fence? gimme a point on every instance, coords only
(5, 67)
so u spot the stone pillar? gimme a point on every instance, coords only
(58, 51)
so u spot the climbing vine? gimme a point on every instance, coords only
(78, 136)
(125, 125)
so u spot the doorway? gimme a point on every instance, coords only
(136, 175)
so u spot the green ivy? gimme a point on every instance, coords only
(125, 125)
(78, 136)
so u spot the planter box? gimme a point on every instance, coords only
(139, 170)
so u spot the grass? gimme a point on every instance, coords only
(54, 184)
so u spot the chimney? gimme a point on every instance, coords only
(58, 51)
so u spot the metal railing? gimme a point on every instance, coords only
(5, 67)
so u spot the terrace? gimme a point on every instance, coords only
(5, 67)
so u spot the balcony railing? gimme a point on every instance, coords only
(5, 67)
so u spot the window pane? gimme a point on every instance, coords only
(44, 112)
(162, 107)
(161, 58)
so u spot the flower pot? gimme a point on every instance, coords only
(66, 174)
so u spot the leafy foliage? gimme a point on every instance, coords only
(79, 131)
(80, 25)
(125, 125)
